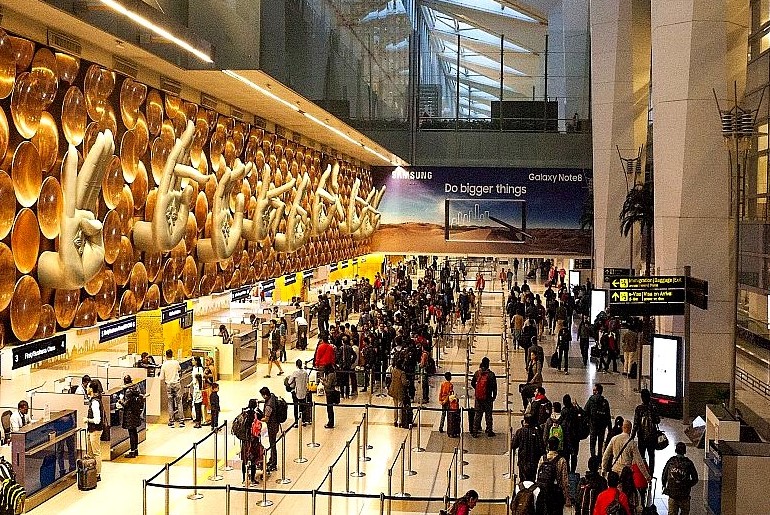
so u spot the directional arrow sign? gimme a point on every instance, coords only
(638, 296)
(655, 282)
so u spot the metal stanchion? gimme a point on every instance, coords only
(313, 443)
(382, 503)
(168, 473)
(215, 476)
(246, 492)
(144, 497)
(347, 468)
(419, 447)
(331, 489)
(509, 474)
(194, 496)
(226, 467)
(227, 499)
(265, 502)
(409, 470)
(403, 471)
(358, 472)
(299, 458)
(313, 501)
(284, 480)
(457, 454)
(366, 432)
(390, 489)
(461, 456)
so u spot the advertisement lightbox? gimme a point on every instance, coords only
(666, 366)
(598, 302)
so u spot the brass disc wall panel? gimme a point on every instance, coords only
(49, 207)
(65, 305)
(111, 232)
(137, 283)
(7, 65)
(25, 240)
(4, 134)
(7, 204)
(152, 299)
(105, 297)
(26, 308)
(27, 173)
(7, 276)
(68, 67)
(46, 140)
(47, 325)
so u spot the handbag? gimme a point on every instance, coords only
(639, 480)
(661, 440)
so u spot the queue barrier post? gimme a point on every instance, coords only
(403, 471)
(265, 502)
(195, 495)
(168, 492)
(226, 467)
(390, 489)
(299, 458)
(215, 476)
(382, 503)
(144, 497)
(358, 472)
(283, 480)
(347, 468)
(409, 470)
(331, 489)
(509, 474)
(246, 492)
(313, 443)
(227, 499)
(367, 446)
(455, 473)
(419, 447)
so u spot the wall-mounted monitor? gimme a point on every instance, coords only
(666, 366)
(598, 302)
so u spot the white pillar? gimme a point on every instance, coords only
(697, 45)
(620, 57)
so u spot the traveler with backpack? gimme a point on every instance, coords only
(273, 422)
(534, 380)
(646, 420)
(541, 409)
(679, 476)
(241, 429)
(554, 427)
(598, 411)
(563, 341)
(131, 402)
(529, 443)
(484, 384)
(575, 425)
(584, 336)
(443, 398)
(553, 482)
(612, 501)
(589, 488)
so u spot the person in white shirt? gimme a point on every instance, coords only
(20, 417)
(297, 381)
(171, 373)
(622, 451)
(301, 323)
(83, 387)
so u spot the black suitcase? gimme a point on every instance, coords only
(470, 413)
(408, 417)
(453, 423)
(633, 370)
(307, 408)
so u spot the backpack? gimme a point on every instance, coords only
(281, 410)
(677, 475)
(430, 368)
(524, 501)
(542, 411)
(614, 507)
(601, 409)
(647, 426)
(482, 385)
(558, 432)
(580, 423)
(547, 474)
(239, 427)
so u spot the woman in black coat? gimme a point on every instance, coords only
(131, 404)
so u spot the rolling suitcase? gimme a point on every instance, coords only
(86, 470)
(633, 370)
(408, 417)
(453, 423)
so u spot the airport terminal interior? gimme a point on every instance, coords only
(366, 213)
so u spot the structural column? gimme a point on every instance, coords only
(620, 57)
(697, 45)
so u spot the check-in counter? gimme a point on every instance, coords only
(118, 442)
(44, 454)
(237, 359)
(185, 382)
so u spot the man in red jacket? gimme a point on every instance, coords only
(607, 497)
(324, 353)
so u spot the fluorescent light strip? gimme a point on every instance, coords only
(257, 87)
(144, 22)
(307, 115)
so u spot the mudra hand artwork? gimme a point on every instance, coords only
(80, 252)
(326, 200)
(371, 217)
(169, 219)
(297, 223)
(269, 209)
(227, 226)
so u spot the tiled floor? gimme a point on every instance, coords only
(120, 492)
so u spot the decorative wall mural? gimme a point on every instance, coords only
(116, 197)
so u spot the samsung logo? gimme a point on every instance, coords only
(411, 175)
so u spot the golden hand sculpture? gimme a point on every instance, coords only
(371, 217)
(169, 220)
(297, 223)
(325, 200)
(226, 226)
(353, 220)
(80, 253)
(269, 209)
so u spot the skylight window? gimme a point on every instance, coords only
(491, 6)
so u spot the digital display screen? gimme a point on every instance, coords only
(665, 365)
(574, 279)
(598, 302)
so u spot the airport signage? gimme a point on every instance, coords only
(117, 328)
(174, 312)
(611, 273)
(698, 292)
(242, 293)
(35, 352)
(647, 296)
(583, 264)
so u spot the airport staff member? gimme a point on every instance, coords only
(20, 417)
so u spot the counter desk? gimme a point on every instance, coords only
(44, 456)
